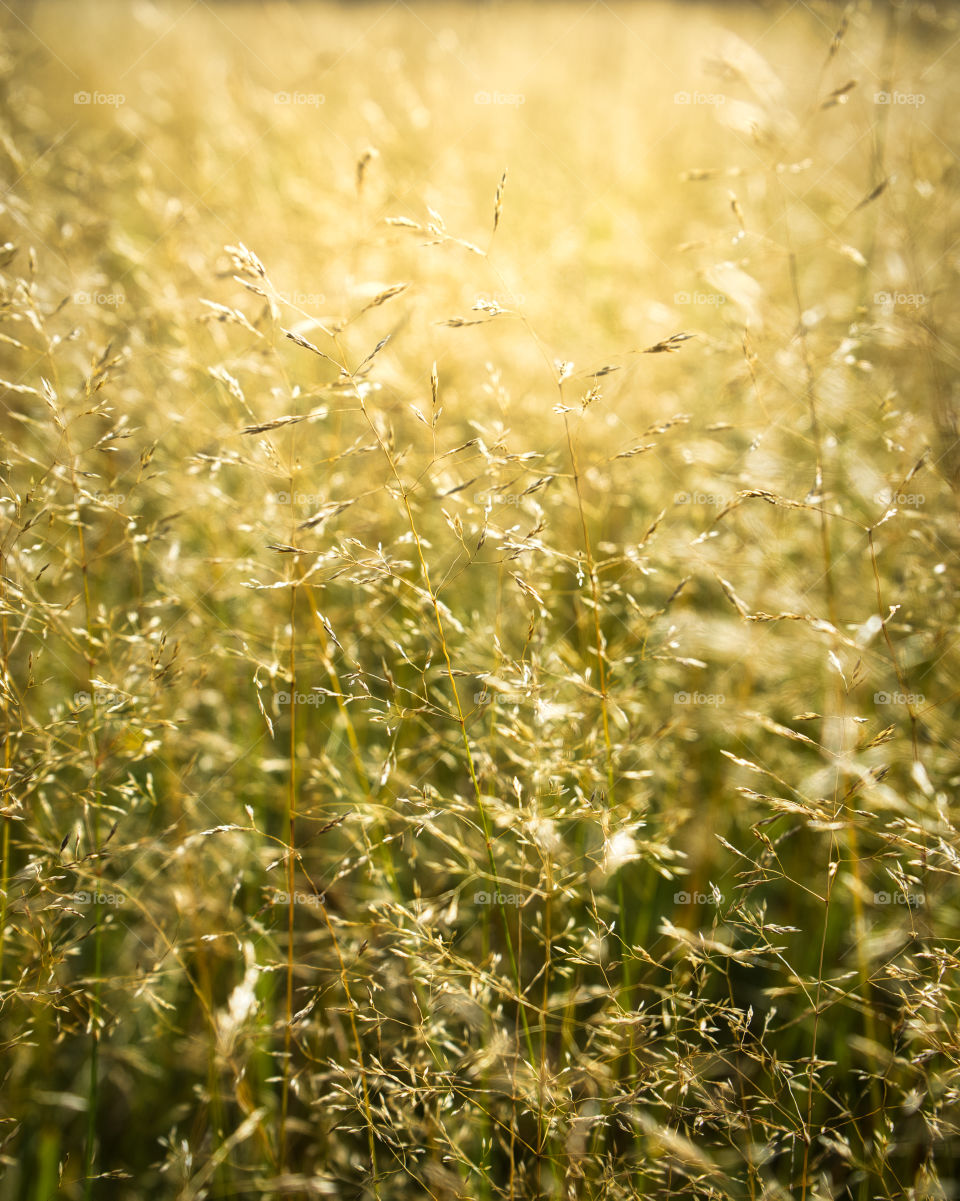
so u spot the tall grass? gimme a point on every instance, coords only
(478, 648)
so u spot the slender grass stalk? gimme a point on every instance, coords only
(603, 688)
(93, 1083)
(8, 694)
(291, 857)
(840, 702)
(807, 1130)
(358, 1047)
(93, 790)
(462, 724)
(628, 1061)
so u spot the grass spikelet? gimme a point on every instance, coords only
(498, 202)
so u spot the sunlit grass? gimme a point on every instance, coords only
(478, 602)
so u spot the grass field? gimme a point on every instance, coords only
(479, 601)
